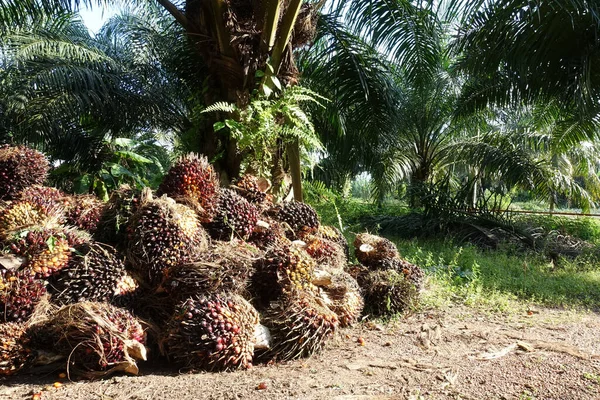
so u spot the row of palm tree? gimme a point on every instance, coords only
(497, 92)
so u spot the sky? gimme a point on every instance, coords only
(95, 18)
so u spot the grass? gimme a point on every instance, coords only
(501, 279)
(504, 279)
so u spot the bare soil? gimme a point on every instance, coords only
(458, 353)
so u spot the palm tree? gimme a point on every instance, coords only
(360, 51)
(69, 94)
(523, 51)
(526, 148)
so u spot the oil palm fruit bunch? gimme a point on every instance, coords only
(226, 267)
(234, 218)
(95, 273)
(20, 292)
(297, 215)
(412, 273)
(335, 235)
(300, 324)
(343, 296)
(76, 237)
(249, 188)
(214, 332)
(268, 234)
(162, 234)
(194, 178)
(18, 215)
(386, 292)
(282, 269)
(47, 198)
(96, 338)
(46, 251)
(327, 254)
(20, 167)
(375, 252)
(15, 353)
(84, 212)
(112, 227)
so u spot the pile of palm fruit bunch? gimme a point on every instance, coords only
(389, 284)
(195, 274)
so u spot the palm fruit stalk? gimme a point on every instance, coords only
(97, 339)
(122, 205)
(297, 215)
(342, 295)
(20, 167)
(20, 292)
(214, 332)
(375, 252)
(300, 324)
(163, 234)
(282, 269)
(225, 267)
(235, 217)
(15, 353)
(46, 251)
(95, 272)
(192, 177)
(386, 292)
(335, 235)
(84, 212)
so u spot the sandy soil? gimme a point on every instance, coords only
(457, 353)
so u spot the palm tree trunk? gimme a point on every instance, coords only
(293, 152)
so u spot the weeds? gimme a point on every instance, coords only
(499, 279)
(508, 277)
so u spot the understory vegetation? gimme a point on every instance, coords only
(562, 271)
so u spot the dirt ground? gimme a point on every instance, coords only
(457, 353)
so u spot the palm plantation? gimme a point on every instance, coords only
(211, 150)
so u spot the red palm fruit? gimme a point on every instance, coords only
(300, 324)
(335, 235)
(122, 205)
(235, 218)
(412, 273)
(297, 215)
(46, 251)
(327, 254)
(95, 272)
(47, 198)
(386, 292)
(248, 187)
(20, 167)
(194, 178)
(84, 212)
(20, 292)
(15, 353)
(163, 234)
(213, 332)
(282, 269)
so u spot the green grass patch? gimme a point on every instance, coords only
(501, 279)
(586, 228)
(504, 279)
